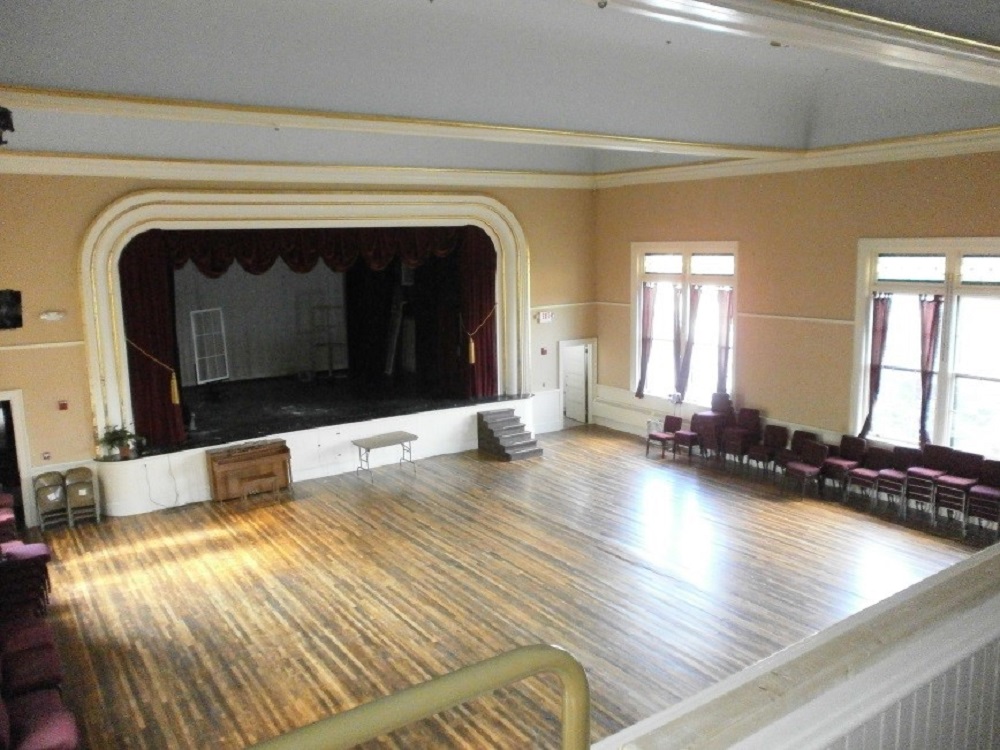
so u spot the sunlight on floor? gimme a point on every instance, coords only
(881, 573)
(676, 535)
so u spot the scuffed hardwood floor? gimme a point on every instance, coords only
(219, 625)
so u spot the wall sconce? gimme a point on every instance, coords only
(6, 123)
(50, 316)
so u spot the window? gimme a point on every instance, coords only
(940, 368)
(683, 318)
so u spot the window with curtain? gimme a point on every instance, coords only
(940, 368)
(684, 344)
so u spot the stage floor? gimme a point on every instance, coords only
(248, 409)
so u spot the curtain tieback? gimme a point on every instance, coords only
(175, 394)
(472, 343)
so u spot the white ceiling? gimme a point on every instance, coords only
(553, 86)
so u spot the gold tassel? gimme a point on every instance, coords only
(472, 351)
(175, 394)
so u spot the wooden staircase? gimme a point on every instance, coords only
(502, 434)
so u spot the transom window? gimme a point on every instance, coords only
(683, 306)
(929, 365)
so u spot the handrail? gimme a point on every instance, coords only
(383, 715)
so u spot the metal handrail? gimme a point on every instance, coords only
(383, 715)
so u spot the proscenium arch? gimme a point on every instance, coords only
(138, 212)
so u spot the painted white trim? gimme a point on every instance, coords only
(560, 306)
(920, 147)
(23, 451)
(796, 319)
(834, 30)
(188, 209)
(22, 162)
(48, 345)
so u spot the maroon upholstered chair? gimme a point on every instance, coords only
(685, 439)
(934, 463)
(984, 496)
(951, 490)
(794, 451)
(892, 481)
(849, 455)
(775, 439)
(738, 437)
(39, 719)
(808, 467)
(671, 425)
(865, 476)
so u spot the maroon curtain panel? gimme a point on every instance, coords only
(646, 335)
(881, 304)
(477, 263)
(930, 327)
(147, 283)
(726, 312)
(684, 371)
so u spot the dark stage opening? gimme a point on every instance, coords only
(226, 343)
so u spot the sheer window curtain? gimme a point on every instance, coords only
(646, 342)
(881, 304)
(683, 363)
(726, 314)
(930, 327)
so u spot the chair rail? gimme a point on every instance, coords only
(383, 715)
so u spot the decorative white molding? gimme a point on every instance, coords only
(828, 28)
(796, 319)
(139, 212)
(44, 345)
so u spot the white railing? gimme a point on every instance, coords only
(920, 669)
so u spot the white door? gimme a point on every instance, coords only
(575, 386)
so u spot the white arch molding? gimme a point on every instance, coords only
(138, 212)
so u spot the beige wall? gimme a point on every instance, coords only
(41, 232)
(798, 235)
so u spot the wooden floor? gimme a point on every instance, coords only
(218, 625)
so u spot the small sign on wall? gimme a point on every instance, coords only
(546, 316)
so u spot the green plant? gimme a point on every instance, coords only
(116, 439)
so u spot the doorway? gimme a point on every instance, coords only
(576, 379)
(10, 464)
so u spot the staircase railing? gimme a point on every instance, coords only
(370, 720)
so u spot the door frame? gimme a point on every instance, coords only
(591, 372)
(23, 453)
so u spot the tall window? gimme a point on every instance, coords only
(939, 379)
(683, 318)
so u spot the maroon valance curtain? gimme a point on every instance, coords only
(930, 327)
(646, 335)
(881, 304)
(213, 251)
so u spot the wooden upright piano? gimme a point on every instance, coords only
(252, 467)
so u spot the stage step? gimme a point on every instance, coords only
(502, 434)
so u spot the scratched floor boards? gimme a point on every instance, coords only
(218, 625)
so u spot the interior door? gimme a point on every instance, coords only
(575, 386)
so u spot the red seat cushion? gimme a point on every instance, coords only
(32, 669)
(985, 492)
(40, 721)
(922, 472)
(963, 484)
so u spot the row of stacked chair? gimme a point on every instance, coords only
(933, 479)
(8, 519)
(32, 713)
(66, 498)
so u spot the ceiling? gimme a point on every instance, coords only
(528, 87)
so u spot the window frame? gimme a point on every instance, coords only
(951, 288)
(686, 249)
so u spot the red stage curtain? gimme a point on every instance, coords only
(477, 263)
(147, 284)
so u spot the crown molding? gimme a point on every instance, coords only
(817, 25)
(904, 149)
(26, 162)
(134, 107)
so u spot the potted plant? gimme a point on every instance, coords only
(117, 442)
